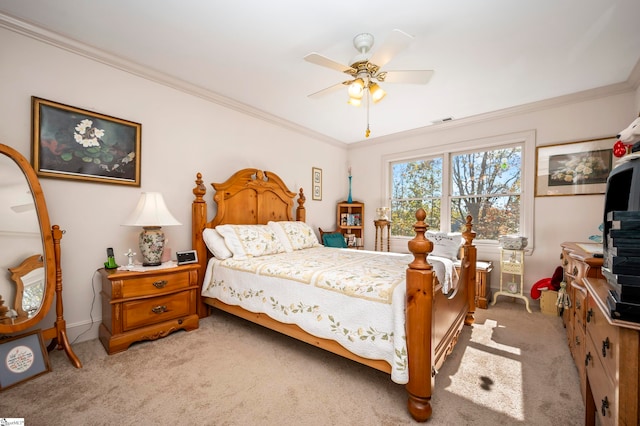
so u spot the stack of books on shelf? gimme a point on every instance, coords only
(621, 264)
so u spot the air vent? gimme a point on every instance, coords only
(442, 120)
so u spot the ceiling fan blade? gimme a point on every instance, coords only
(409, 77)
(328, 90)
(397, 41)
(323, 61)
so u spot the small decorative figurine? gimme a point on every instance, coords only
(130, 255)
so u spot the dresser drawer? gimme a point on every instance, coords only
(151, 311)
(579, 351)
(580, 308)
(602, 387)
(154, 284)
(605, 337)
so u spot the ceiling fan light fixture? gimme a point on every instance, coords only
(376, 92)
(356, 88)
(354, 101)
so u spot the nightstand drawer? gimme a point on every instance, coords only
(150, 311)
(155, 284)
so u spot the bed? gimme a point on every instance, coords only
(426, 316)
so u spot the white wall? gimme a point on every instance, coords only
(557, 219)
(184, 134)
(181, 135)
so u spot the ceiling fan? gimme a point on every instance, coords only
(365, 70)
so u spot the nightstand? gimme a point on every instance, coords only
(147, 305)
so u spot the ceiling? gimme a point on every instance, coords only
(487, 55)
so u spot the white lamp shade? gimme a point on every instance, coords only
(151, 211)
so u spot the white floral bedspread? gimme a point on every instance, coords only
(308, 288)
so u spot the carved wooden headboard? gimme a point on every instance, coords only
(250, 196)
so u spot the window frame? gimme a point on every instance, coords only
(528, 141)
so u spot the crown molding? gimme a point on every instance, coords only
(62, 42)
(630, 85)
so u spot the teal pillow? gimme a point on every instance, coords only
(334, 240)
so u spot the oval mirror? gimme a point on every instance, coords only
(27, 257)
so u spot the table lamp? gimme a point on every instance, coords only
(151, 213)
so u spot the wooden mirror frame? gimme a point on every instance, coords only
(51, 259)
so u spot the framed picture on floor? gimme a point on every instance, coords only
(73, 143)
(22, 358)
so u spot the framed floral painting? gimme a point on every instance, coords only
(575, 168)
(72, 143)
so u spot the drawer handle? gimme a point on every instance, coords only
(160, 284)
(589, 314)
(604, 407)
(587, 359)
(159, 309)
(605, 345)
(577, 341)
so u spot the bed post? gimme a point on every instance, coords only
(419, 323)
(198, 222)
(301, 212)
(469, 257)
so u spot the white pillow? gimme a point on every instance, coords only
(294, 235)
(215, 244)
(445, 244)
(250, 240)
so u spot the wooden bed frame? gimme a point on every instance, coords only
(433, 321)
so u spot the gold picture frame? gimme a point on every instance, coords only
(574, 168)
(316, 181)
(73, 143)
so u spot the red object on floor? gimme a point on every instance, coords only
(536, 289)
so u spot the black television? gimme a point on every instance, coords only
(622, 194)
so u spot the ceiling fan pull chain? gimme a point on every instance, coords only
(368, 132)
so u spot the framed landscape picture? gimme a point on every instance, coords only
(72, 143)
(576, 168)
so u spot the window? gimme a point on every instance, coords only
(483, 179)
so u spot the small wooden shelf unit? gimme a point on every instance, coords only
(350, 220)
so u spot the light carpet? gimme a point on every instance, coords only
(510, 368)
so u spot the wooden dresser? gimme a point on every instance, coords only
(147, 305)
(612, 362)
(578, 264)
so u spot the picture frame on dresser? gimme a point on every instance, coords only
(74, 143)
(574, 168)
(22, 358)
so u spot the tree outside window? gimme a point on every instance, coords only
(483, 184)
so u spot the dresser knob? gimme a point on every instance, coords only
(159, 309)
(604, 407)
(589, 314)
(587, 359)
(160, 284)
(605, 345)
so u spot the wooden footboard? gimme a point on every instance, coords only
(433, 320)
